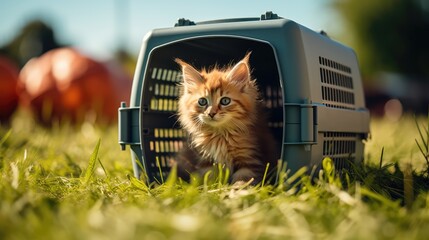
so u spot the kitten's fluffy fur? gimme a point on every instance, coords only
(222, 114)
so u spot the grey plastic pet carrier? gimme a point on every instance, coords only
(311, 86)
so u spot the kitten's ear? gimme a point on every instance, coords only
(240, 73)
(191, 77)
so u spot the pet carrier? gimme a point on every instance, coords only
(311, 86)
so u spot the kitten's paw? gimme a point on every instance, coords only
(242, 184)
(239, 184)
(240, 188)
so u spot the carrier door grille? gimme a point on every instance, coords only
(336, 84)
(162, 136)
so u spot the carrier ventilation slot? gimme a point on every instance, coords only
(164, 144)
(273, 100)
(165, 90)
(340, 147)
(165, 75)
(332, 64)
(336, 84)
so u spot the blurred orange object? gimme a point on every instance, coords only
(64, 84)
(8, 82)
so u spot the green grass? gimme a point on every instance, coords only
(75, 183)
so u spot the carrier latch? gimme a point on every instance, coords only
(128, 125)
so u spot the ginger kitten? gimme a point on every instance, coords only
(222, 112)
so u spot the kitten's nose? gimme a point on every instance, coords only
(211, 111)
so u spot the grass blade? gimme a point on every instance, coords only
(381, 157)
(138, 184)
(427, 134)
(265, 174)
(92, 161)
(424, 146)
(5, 137)
(408, 186)
(172, 176)
(104, 169)
(160, 170)
(298, 174)
(226, 176)
(425, 142)
(423, 153)
(380, 198)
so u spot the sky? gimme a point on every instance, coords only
(99, 27)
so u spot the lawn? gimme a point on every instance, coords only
(58, 183)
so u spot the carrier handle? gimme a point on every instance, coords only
(269, 15)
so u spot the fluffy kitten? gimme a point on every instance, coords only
(223, 115)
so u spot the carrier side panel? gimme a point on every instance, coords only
(336, 89)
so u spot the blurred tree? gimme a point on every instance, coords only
(34, 39)
(389, 35)
(127, 60)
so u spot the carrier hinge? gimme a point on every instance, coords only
(303, 123)
(128, 125)
(308, 123)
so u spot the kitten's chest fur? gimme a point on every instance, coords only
(218, 147)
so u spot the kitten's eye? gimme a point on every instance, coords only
(225, 101)
(202, 102)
